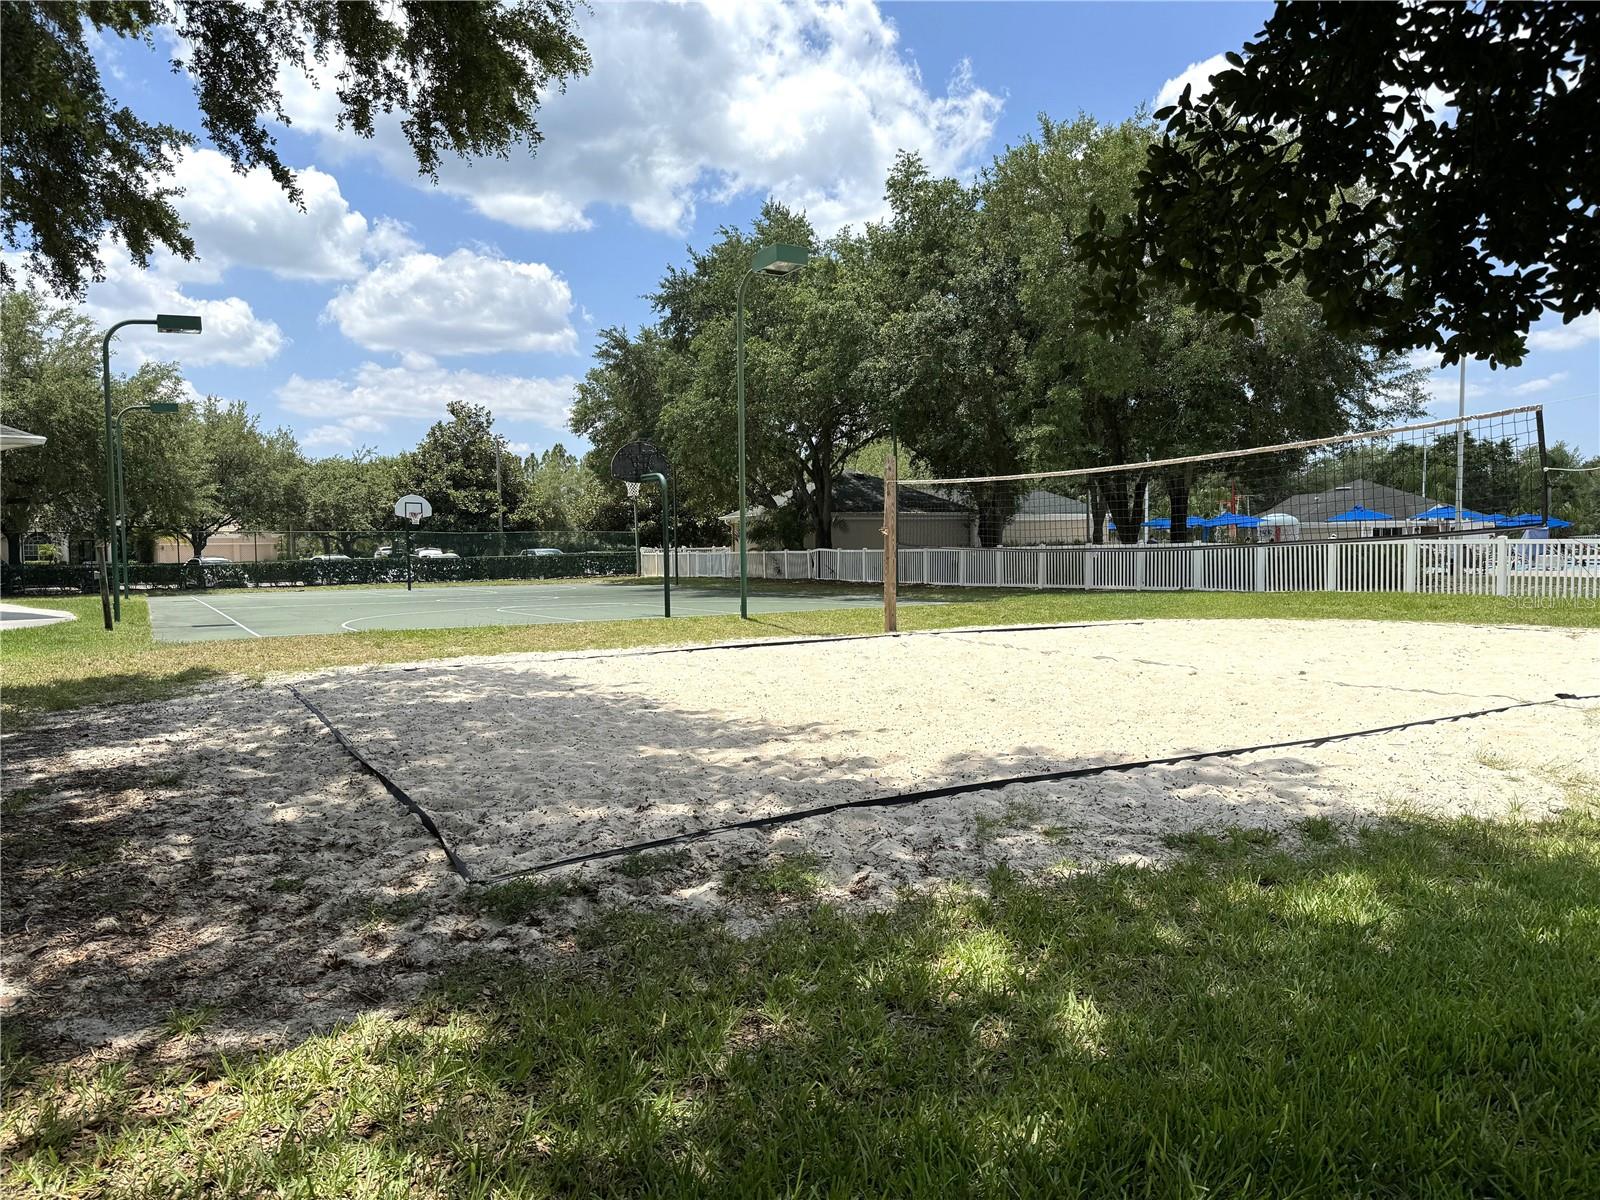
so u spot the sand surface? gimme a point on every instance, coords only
(222, 851)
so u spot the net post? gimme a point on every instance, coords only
(891, 539)
(1544, 469)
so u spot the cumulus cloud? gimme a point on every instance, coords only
(465, 303)
(247, 220)
(374, 397)
(807, 101)
(1196, 75)
(1543, 384)
(233, 335)
(1554, 336)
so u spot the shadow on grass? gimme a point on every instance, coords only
(29, 701)
(1409, 1013)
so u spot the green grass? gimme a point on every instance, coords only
(648, 864)
(57, 667)
(783, 878)
(183, 1023)
(520, 899)
(1412, 1011)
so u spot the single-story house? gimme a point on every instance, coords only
(1046, 519)
(1314, 511)
(922, 518)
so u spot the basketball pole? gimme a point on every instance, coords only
(666, 541)
(408, 555)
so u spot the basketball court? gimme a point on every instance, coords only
(260, 612)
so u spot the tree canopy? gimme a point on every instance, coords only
(468, 77)
(1426, 170)
(961, 330)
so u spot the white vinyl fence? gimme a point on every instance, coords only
(1564, 569)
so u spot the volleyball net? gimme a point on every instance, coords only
(1439, 478)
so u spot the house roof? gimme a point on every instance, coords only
(1322, 506)
(858, 492)
(1037, 503)
(1040, 503)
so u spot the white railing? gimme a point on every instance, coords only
(1564, 569)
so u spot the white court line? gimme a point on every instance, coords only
(517, 611)
(225, 616)
(407, 612)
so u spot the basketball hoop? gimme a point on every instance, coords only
(632, 488)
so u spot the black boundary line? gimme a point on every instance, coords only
(389, 785)
(893, 800)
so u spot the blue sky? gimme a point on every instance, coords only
(356, 321)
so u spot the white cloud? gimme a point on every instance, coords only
(232, 333)
(248, 220)
(1555, 336)
(1542, 384)
(375, 397)
(807, 101)
(1446, 389)
(466, 303)
(1197, 75)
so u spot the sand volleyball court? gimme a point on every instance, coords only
(225, 848)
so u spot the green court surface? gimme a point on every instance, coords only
(218, 615)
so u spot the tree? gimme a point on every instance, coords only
(810, 403)
(1575, 488)
(235, 475)
(345, 497)
(563, 492)
(454, 467)
(952, 357)
(50, 379)
(1426, 169)
(469, 78)
(1179, 381)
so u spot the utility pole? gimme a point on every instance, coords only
(1461, 438)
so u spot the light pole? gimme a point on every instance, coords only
(499, 494)
(120, 521)
(778, 259)
(164, 323)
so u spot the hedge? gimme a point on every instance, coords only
(82, 577)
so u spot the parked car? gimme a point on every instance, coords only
(209, 560)
(433, 552)
(330, 558)
(541, 552)
(383, 552)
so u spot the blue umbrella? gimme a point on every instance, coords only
(1447, 512)
(1239, 519)
(1534, 519)
(1361, 513)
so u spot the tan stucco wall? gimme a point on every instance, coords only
(864, 531)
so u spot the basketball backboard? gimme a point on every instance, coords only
(413, 508)
(638, 459)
